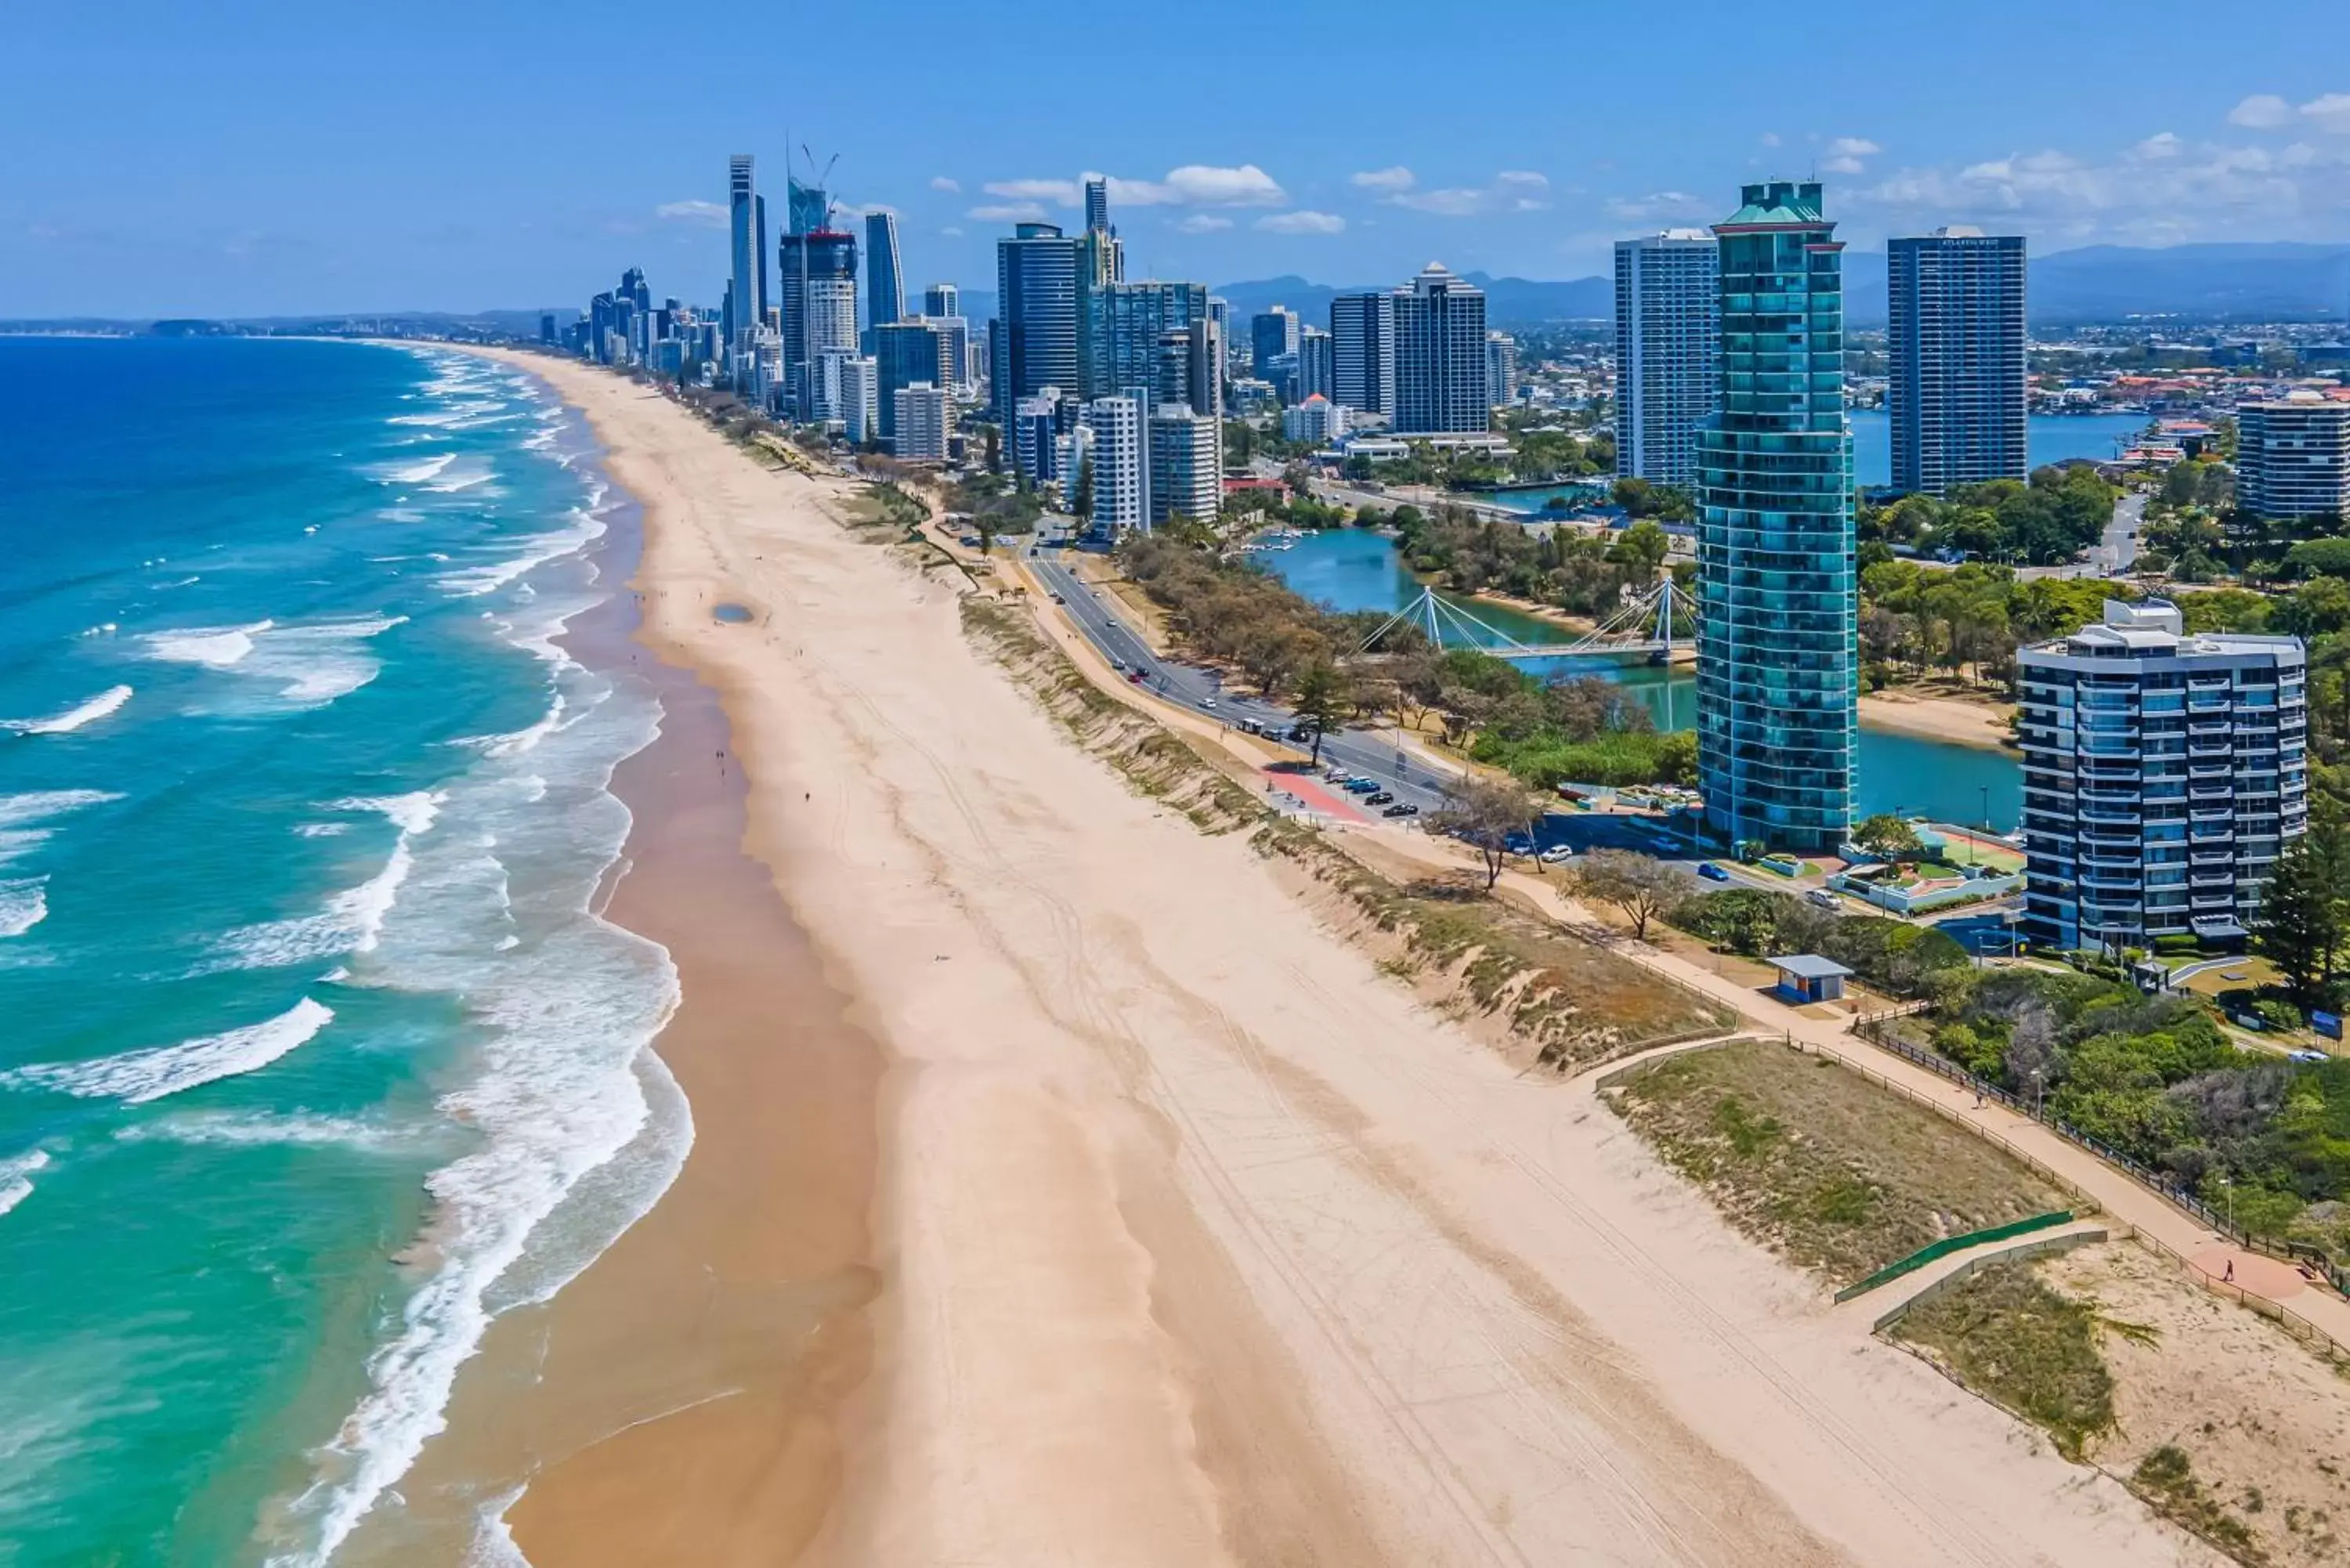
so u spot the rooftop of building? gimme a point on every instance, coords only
(1778, 201)
(2154, 628)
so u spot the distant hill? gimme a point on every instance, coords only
(2114, 282)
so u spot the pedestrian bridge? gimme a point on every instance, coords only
(1652, 626)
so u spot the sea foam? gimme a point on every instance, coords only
(24, 904)
(17, 1177)
(352, 921)
(136, 1077)
(107, 702)
(24, 818)
(312, 663)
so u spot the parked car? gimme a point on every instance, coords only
(1334, 776)
(1401, 809)
(1822, 898)
(1383, 798)
(2307, 1056)
(1711, 872)
(1518, 844)
(1360, 785)
(1557, 854)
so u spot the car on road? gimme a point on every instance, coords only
(1137, 677)
(1557, 854)
(1711, 872)
(1823, 898)
(2307, 1056)
(1383, 798)
(1401, 808)
(1059, 600)
(1207, 702)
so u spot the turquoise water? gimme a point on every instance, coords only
(301, 814)
(2050, 438)
(1349, 570)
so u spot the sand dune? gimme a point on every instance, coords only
(1199, 1243)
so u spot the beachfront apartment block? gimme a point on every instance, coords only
(1668, 352)
(1187, 471)
(1958, 387)
(1121, 466)
(923, 415)
(2163, 773)
(2292, 457)
(1439, 357)
(1777, 667)
(1034, 342)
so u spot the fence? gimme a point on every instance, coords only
(1948, 1244)
(1872, 1028)
(1974, 1266)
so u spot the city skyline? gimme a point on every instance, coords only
(306, 206)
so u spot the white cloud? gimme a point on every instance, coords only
(942, 183)
(1009, 213)
(951, 232)
(2331, 113)
(708, 215)
(1398, 178)
(1769, 139)
(1202, 224)
(1513, 190)
(1062, 191)
(1845, 153)
(2161, 145)
(1523, 177)
(1303, 222)
(1658, 207)
(1449, 200)
(2261, 112)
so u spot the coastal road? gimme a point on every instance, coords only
(2111, 556)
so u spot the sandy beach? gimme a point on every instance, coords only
(1064, 1191)
(1950, 719)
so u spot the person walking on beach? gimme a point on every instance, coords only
(2229, 1276)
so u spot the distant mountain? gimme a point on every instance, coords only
(1509, 301)
(2115, 283)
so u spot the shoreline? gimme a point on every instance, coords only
(679, 1399)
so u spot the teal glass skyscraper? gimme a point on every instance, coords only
(1777, 672)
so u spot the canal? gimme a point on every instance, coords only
(1346, 569)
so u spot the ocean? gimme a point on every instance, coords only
(315, 1054)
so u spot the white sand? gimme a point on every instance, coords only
(1201, 1243)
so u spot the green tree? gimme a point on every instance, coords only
(1640, 885)
(2304, 908)
(1083, 506)
(994, 449)
(1643, 546)
(1324, 700)
(1486, 813)
(1888, 837)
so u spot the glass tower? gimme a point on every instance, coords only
(1777, 672)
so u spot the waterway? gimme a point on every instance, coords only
(2051, 438)
(1349, 570)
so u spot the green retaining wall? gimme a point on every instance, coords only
(1950, 1244)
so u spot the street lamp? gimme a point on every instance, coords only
(2228, 1185)
(2036, 1100)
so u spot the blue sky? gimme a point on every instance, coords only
(247, 158)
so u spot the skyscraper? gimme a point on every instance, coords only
(2292, 457)
(818, 272)
(1362, 351)
(1097, 206)
(1314, 369)
(1668, 351)
(922, 416)
(1272, 333)
(1500, 367)
(745, 293)
(1121, 466)
(942, 300)
(809, 209)
(1777, 676)
(1186, 468)
(885, 287)
(1037, 337)
(1439, 357)
(904, 353)
(1131, 319)
(1955, 313)
(859, 409)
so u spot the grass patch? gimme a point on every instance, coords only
(2165, 1479)
(2004, 1334)
(1577, 1003)
(1818, 1163)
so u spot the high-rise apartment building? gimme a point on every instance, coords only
(942, 300)
(885, 276)
(1131, 319)
(1439, 357)
(1035, 437)
(1187, 476)
(1500, 368)
(1668, 349)
(1315, 371)
(1271, 333)
(1037, 314)
(808, 207)
(1777, 672)
(1097, 206)
(1191, 361)
(746, 294)
(2292, 457)
(1121, 466)
(817, 273)
(2163, 774)
(1362, 351)
(906, 353)
(859, 399)
(1955, 339)
(923, 416)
